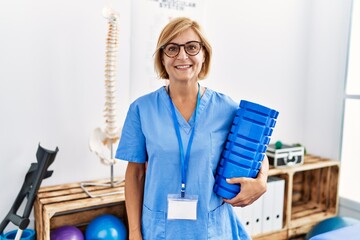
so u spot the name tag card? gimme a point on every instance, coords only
(182, 208)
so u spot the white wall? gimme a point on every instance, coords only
(327, 56)
(260, 49)
(290, 55)
(286, 54)
(52, 61)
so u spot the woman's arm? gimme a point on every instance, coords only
(134, 193)
(251, 188)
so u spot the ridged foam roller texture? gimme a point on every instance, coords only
(245, 147)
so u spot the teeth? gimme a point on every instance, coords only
(186, 66)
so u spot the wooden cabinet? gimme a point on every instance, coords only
(311, 195)
(68, 204)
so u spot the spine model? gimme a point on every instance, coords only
(110, 77)
(102, 141)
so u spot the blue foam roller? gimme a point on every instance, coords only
(243, 152)
(232, 169)
(223, 192)
(259, 108)
(222, 162)
(233, 188)
(254, 173)
(254, 117)
(241, 161)
(247, 144)
(255, 137)
(220, 170)
(251, 131)
(233, 137)
(249, 163)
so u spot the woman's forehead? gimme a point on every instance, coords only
(186, 36)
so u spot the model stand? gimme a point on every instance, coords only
(102, 142)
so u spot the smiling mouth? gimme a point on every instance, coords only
(183, 66)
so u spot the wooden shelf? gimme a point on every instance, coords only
(68, 204)
(311, 195)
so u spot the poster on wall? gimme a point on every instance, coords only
(148, 19)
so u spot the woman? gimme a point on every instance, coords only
(173, 139)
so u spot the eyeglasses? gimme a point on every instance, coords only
(191, 48)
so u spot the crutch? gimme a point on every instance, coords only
(33, 178)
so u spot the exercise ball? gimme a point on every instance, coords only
(66, 232)
(106, 227)
(27, 234)
(330, 224)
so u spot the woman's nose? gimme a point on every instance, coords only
(182, 54)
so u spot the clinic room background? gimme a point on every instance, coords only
(290, 55)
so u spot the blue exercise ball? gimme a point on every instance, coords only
(330, 224)
(66, 232)
(106, 227)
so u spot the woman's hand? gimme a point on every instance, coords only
(251, 188)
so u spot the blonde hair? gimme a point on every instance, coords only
(174, 28)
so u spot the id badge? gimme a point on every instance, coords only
(182, 208)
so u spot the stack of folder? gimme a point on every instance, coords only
(266, 213)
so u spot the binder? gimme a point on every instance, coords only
(266, 213)
(256, 216)
(277, 222)
(244, 214)
(267, 206)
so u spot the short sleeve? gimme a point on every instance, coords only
(132, 142)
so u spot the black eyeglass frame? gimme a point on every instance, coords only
(182, 45)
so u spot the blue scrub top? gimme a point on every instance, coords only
(149, 135)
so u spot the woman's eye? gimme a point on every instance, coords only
(172, 49)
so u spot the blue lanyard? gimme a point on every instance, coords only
(184, 159)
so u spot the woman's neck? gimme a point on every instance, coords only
(184, 97)
(183, 92)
